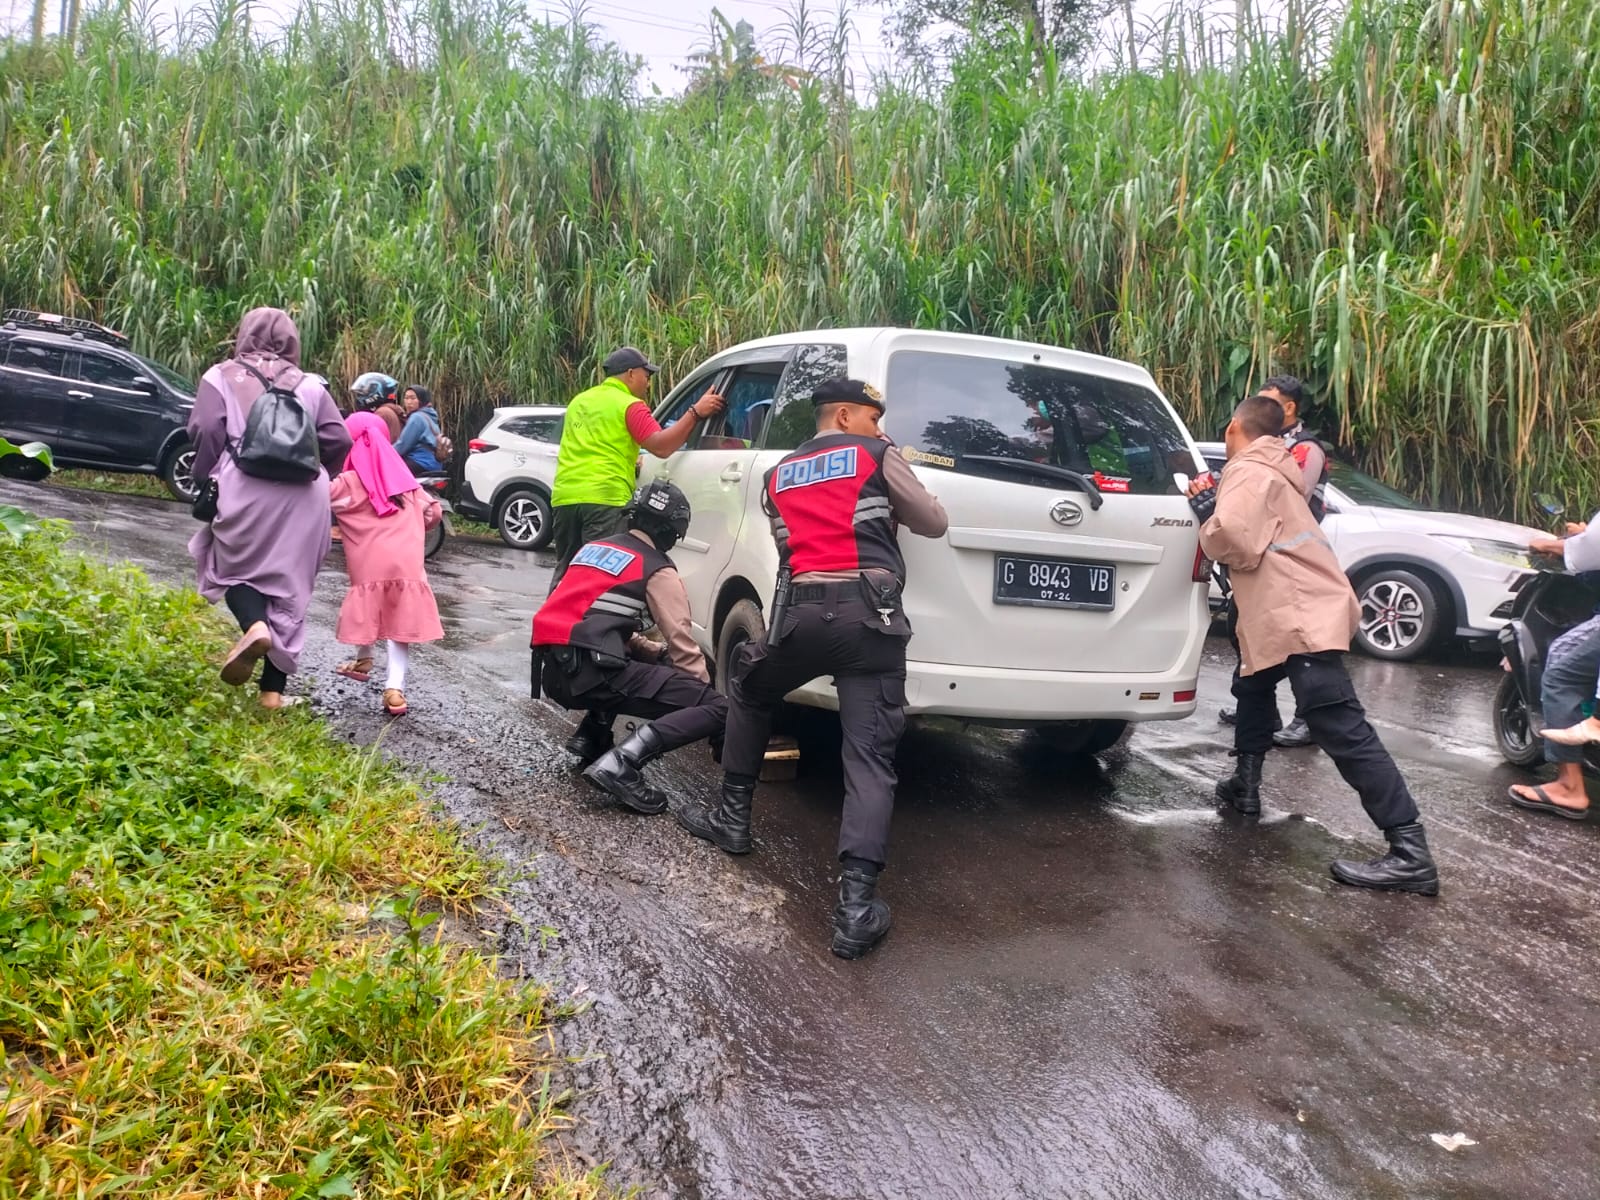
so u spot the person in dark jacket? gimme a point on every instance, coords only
(836, 505)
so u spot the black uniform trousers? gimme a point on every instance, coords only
(1326, 700)
(574, 526)
(678, 706)
(837, 634)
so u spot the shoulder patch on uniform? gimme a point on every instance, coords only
(610, 559)
(817, 468)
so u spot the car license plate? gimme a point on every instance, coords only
(1054, 583)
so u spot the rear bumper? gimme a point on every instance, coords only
(469, 506)
(1021, 699)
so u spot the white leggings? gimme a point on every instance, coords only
(399, 660)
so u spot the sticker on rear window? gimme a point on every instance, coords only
(913, 455)
(1112, 483)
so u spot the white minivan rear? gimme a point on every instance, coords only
(1068, 594)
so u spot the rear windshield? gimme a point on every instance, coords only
(1027, 423)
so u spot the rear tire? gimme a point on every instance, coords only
(1401, 613)
(177, 472)
(1083, 737)
(1513, 726)
(433, 540)
(744, 623)
(525, 520)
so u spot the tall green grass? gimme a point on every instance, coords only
(1396, 199)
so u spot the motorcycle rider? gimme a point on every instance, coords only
(1312, 459)
(373, 391)
(1297, 615)
(588, 651)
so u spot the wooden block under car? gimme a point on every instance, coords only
(782, 761)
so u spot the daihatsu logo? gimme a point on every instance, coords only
(1066, 512)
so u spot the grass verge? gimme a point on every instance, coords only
(117, 483)
(194, 998)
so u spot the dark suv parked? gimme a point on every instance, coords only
(76, 386)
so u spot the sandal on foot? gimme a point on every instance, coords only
(250, 649)
(394, 702)
(359, 669)
(283, 702)
(1540, 802)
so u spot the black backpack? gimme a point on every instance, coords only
(280, 437)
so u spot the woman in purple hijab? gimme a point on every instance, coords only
(261, 552)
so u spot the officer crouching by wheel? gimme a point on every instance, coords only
(835, 504)
(588, 651)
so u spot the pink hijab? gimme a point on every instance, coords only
(382, 472)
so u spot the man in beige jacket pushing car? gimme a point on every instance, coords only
(1297, 615)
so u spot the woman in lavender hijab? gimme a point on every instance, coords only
(261, 552)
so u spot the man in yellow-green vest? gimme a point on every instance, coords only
(597, 465)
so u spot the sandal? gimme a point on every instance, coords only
(283, 702)
(250, 649)
(394, 702)
(359, 669)
(1540, 802)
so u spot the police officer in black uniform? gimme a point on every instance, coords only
(589, 653)
(835, 505)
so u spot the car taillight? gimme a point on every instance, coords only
(476, 446)
(1183, 697)
(437, 485)
(1202, 566)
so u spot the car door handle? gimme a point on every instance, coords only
(732, 473)
(77, 395)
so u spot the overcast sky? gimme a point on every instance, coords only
(662, 32)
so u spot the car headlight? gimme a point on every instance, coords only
(1507, 554)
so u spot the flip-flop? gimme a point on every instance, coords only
(1543, 803)
(399, 709)
(250, 649)
(352, 669)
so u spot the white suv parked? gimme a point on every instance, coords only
(511, 466)
(1068, 594)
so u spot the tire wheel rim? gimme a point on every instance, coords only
(1393, 616)
(183, 472)
(1516, 726)
(523, 520)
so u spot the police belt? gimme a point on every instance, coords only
(832, 591)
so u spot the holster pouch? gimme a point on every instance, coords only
(881, 592)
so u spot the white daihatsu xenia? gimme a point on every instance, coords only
(1068, 595)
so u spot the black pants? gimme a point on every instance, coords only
(678, 706)
(1326, 700)
(249, 606)
(574, 526)
(838, 635)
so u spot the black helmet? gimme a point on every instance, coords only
(375, 388)
(661, 510)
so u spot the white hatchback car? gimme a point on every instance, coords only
(1068, 595)
(1419, 575)
(511, 466)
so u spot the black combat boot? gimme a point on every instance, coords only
(591, 738)
(618, 772)
(861, 920)
(728, 825)
(1242, 789)
(1408, 867)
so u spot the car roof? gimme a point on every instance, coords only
(860, 339)
(530, 410)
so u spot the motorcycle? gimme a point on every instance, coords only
(1545, 606)
(440, 533)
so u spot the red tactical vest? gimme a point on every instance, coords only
(831, 501)
(600, 602)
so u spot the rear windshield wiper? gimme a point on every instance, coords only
(1046, 470)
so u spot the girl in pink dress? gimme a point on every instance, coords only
(383, 515)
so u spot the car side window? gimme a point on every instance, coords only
(36, 357)
(794, 420)
(538, 429)
(106, 371)
(681, 397)
(749, 396)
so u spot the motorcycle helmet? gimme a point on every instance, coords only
(660, 509)
(375, 388)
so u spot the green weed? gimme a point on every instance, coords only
(198, 992)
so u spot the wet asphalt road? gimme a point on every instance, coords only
(1096, 986)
